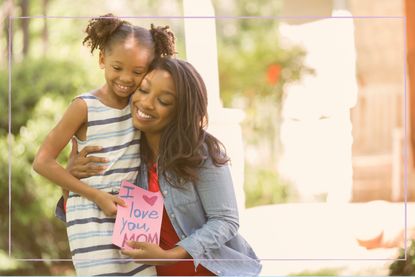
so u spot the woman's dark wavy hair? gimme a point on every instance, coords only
(184, 143)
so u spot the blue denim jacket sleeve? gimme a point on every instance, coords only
(217, 197)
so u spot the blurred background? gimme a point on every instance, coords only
(309, 98)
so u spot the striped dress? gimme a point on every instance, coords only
(89, 229)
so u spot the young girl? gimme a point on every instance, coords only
(103, 117)
(188, 165)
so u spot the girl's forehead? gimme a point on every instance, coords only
(130, 43)
(131, 53)
(127, 45)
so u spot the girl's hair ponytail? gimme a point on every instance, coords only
(100, 30)
(164, 41)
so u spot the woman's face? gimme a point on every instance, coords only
(154, 103)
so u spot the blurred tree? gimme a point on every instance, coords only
(24, 22)
(6, 11)
(254, 68)
(45, 33)
(253, 63)
(21, 27)
(34, 78)
(35, 232)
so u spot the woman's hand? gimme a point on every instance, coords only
(81, 165)
(108, 202)
(145, 250)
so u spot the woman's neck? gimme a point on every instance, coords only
(153, 142)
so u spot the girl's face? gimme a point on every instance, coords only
(154, 103)
(125, 65)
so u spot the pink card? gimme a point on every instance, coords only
(141, 219)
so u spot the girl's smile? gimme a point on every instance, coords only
(124, 89)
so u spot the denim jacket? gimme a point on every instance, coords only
(205, 218)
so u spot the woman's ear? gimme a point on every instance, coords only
(101, 59)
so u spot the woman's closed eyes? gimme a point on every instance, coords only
(161, 99)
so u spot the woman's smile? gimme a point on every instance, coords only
(143, 116)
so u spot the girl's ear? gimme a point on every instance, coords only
(101, 59)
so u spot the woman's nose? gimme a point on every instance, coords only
(147, 102)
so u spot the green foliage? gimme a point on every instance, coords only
(41, 91)
(249, 46)
(35, 231)
(402, 266)
(320, 272)
(263, 186)
(34, 78)
(246, 49)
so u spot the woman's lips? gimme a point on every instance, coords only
(142, 115)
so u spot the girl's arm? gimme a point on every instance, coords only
(46, 165)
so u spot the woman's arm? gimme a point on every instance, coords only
(217, 196)
(82, 164)
(46, 165)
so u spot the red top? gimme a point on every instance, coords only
(169, 238)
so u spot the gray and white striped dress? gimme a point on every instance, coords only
(89, 229)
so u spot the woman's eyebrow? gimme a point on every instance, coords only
(169, 93)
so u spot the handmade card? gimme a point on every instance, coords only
(141, 219)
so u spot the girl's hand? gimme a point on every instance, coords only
(108, 202)
(81, 165)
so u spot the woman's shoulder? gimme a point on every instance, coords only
(214, 155)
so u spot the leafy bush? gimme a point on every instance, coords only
(36, 233)
(263, 186)
(32, 79)
(405, 267)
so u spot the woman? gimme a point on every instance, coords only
(190, 168)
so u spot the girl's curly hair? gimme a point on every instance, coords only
(102, 32)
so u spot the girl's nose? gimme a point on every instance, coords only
(126, 78)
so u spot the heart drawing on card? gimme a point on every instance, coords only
(150, 200)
